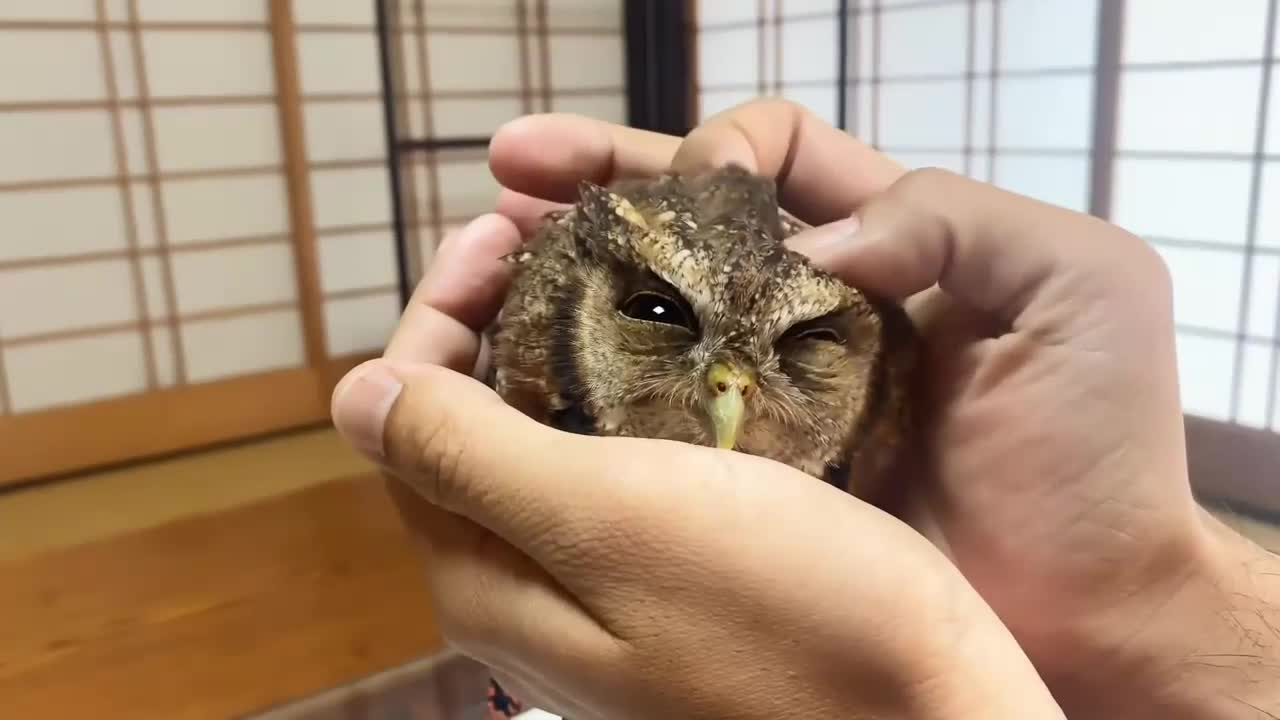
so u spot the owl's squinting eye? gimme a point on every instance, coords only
(655, 308)
(819, 333)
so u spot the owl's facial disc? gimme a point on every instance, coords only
(728, 386)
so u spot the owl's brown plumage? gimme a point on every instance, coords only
(669, 308)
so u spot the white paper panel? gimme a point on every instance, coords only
(356, 261)
(345, 131)
(55, 65)
(217, 137)
(1039, 34)
(1255, 385)
(591, 61)
(362, 324)
(1206, 200)
(55, 374)
(492, 61)
(225, 278)
(1046, 112)
(225, 207)
(62, 10)
(55, 145)
(808, 50)
(35, 301)
(208, 63)
(1204, 375)
(52, 223)
(927, 40)
(338, 63)
(1206, 286)
(228, 347)
(1209, 110)
(350, 197)
(1158, 31)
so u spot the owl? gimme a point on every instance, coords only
(670, 308)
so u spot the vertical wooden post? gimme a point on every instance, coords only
(297, 170)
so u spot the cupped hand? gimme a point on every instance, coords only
(1051, 468)
(632, 578)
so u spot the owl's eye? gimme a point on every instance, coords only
(824, 334)
(653, 307)
(817, 333)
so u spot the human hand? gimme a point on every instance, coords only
(1052, 467)
(631, 578)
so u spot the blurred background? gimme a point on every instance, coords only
(210, 211)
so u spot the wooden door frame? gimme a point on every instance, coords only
(51, 443)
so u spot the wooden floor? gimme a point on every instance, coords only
(215, 585)
(210, 586)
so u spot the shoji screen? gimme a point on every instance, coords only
(1001, 91)
(465, 68)
(346, 156)
(156, 265)
(1157, 114)
(1196, 173)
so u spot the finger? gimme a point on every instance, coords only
(460, 294)
(823, 173)
(1022, 261)
(491, 601)
(526, 211)
(547, 155)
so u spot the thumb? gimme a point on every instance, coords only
(461, 448)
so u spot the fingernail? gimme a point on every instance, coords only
(361, 404)
(822, 240)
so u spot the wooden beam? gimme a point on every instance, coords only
(297, 171)
(42, 445)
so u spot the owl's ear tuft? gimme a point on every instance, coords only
(605, 211)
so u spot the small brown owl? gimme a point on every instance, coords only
(669, 308)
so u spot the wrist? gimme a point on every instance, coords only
(1200, 642)
(967, 664)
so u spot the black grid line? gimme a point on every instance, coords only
(543, 29)
(777, 46)
(993, 110)
(1255, 207)
(522, 39)
(400, 178)
(876, 9)
(1268, 70)
(970, 68)
(1209, 245)
(1227, 336)
(762, 86)
(1106, 106)
(434, 201)
(842, 71)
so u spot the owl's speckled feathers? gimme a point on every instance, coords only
(669, 308)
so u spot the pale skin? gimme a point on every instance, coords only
(1046, 558)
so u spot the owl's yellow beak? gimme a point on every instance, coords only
(728, 386)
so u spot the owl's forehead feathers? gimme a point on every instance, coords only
(716, 239)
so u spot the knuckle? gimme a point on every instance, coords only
(433, 448)
(1144, 267)
(773, 105)
(926, 181)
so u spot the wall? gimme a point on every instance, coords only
(195, 199)
(1006, 91)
